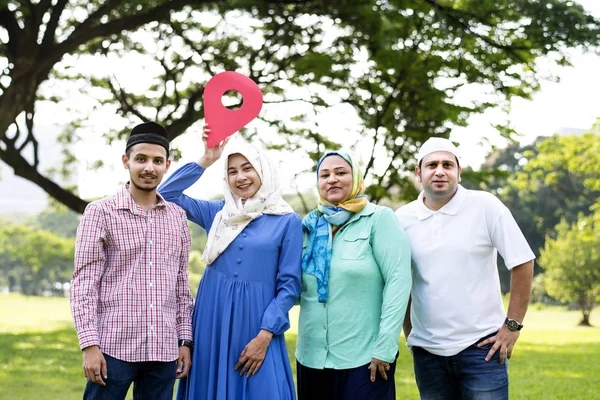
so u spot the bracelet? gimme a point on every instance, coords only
(186, 343)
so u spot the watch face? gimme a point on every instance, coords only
(512, 325)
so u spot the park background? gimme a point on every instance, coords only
(512, 82)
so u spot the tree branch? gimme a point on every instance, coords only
(176, 128)
(39, 10)
(198, 50)
(29, 114)
(23, 169)
(454, 15)
(121, 96)
(50, 33)
(86, 32)
(9, 22)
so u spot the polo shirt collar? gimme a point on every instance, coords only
(451, 208)
(124, 201)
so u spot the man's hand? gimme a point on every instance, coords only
(184, 362)
(381, 366)
(504, 341)
(94, 365)
(254, 353)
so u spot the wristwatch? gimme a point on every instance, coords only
(512, 324)
(186, 343)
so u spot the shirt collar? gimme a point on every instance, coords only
(124, 200)
(451, 208)
(368, 209)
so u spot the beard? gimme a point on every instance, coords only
(144, 188)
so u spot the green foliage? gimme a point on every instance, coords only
(198, 237)
(554, 178)
(302, 203)
(400, 65)
(196, 265)
(559, 180)
(194, 281)
(57, 219)
(33, 260)
(572, 264)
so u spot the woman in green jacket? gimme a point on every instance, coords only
(356, 283)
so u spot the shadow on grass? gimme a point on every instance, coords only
(43, 365)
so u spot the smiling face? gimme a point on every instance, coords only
(439, 174)
(147, 164)
(242, 177)
(335, 179)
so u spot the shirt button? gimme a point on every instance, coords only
(236, 274)
(324, 326)
(150, 284)
(150, 241)
(324, 305)
(241, 247)
(150, 263)
(151, 305)
(151, 327)
(244, 234)
(239, 261)
(325, 348)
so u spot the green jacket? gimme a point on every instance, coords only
(369, 287)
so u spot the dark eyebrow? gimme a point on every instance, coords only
(440, 161)
(241, 166)
(144, 155)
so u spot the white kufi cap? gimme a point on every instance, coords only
(434, 144)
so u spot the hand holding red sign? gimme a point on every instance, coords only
(222, 121)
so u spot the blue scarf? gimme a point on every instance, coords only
(317, 257)
(318, 225)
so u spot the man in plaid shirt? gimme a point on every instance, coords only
(130, 298)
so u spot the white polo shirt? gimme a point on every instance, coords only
(456, 296)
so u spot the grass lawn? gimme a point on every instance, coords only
(40, 359)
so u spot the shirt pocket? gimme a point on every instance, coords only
(356, 245)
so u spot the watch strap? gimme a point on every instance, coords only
(510, 322)
(186, 343)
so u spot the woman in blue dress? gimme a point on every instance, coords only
(251, 281)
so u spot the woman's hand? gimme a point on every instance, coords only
(254, 353)
(381, 366)
(211, 154)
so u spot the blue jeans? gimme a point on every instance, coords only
(465, 376)
(151, 380)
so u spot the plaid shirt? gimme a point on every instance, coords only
(129, 292)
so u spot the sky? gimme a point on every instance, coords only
(556, 107)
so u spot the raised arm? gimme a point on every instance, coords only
(202, 212)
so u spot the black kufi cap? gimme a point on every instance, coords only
(148, 132)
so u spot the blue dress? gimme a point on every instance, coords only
(251, 286)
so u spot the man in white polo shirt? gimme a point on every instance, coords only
(457, 328)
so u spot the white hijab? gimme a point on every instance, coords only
(233, 218)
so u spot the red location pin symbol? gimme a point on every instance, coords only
(222, 121)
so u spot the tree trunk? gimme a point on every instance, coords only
(585, 319)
